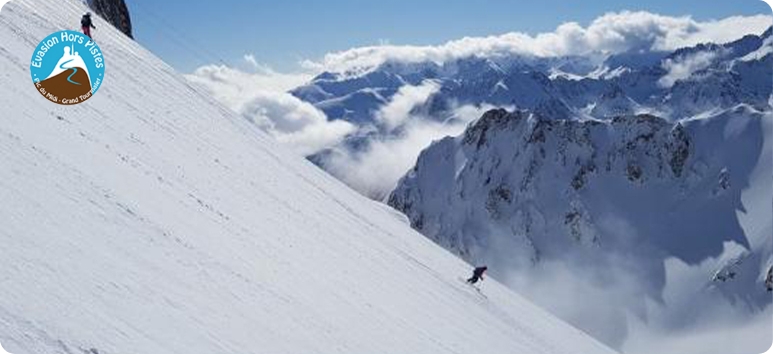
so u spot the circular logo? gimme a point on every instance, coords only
(67, 67)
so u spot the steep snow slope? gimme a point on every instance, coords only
(151, 220)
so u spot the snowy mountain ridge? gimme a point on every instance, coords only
(638, 150)
(150, 219)
(649, 78)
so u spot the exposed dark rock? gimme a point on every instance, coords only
(581, 177)
(498, 196)
(115, 12)
(476, 134)
(680, 150)
(634, 172)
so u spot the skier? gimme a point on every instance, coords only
(477, 274)
(86, 24)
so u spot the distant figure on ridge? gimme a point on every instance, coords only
(86, 24)
(477, 274)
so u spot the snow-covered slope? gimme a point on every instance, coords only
(151, 220)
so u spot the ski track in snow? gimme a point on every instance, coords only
(152, 220)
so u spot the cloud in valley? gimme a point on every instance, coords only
(404, 133)
(686, 323)
(683, 67)
(260, 95)
(398, 111)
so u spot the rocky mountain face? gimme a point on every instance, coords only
(115, 12)
(610, 200)
(607, 200)
(545, 183)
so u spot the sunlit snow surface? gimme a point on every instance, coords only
(152, 220)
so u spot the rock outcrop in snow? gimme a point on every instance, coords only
(115, 12)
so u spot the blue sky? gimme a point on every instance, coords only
(188, 34)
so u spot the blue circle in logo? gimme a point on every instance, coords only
(67, 67)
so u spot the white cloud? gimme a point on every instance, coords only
(709, 323)
(399, 108)
(683, 67)
(405, 131)
(261, 97)
(686, 313)
(736, 336)
(612, 32)
(295, 123)
(375, 171)
(235, 87)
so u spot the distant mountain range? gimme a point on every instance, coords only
(674, 85)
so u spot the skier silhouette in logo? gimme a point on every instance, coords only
(70, 60)
(86, 24)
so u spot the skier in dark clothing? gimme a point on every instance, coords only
(477, 274)
(86, 24)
